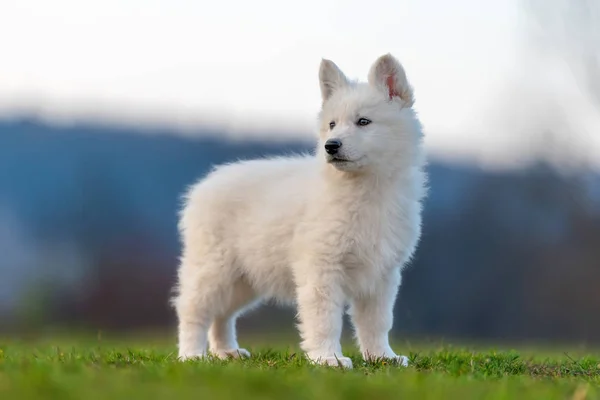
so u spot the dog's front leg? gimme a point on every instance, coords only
(321, 303)
(372, 316)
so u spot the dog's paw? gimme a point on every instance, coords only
(333, 361)
(231, 353)
(191, 356)
(401, 361)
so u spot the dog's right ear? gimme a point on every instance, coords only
(331, 78)
(388, 75)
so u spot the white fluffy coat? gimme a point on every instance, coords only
(327, 232)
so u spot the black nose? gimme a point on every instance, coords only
(332, 146)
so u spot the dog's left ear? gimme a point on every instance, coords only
(331, 78)
(388, 75)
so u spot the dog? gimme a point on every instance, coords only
(329, 232)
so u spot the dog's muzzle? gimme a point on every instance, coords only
(332, 146)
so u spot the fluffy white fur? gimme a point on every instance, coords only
(328, 233)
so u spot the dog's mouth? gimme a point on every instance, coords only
(337, 160)
(343, 163)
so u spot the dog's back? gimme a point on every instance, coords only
(247, 212)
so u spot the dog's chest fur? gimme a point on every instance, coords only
(377, 235)
(371, 232)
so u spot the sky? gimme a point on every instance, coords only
(251, 67)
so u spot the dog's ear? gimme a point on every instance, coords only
(388, 75)
(331, 78)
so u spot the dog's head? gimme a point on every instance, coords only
(368, 126)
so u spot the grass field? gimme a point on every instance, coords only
(147, 369)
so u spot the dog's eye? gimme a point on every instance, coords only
(332, 125)
(363, 122)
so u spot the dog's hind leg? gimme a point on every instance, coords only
(205, 292)
(222, 333)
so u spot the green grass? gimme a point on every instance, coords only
(147, 369)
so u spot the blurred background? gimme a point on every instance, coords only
(110, 109)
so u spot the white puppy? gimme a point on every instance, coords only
(326, 232)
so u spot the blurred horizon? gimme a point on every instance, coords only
(88, 237)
